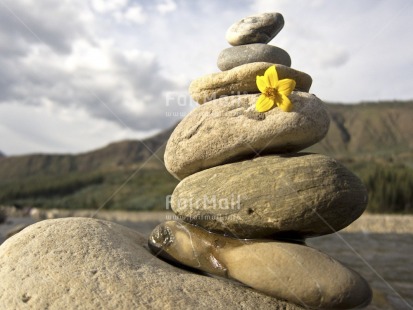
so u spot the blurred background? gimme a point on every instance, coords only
(91, 90)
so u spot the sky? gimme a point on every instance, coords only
(79, 74)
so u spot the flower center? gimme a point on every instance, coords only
(272, 93)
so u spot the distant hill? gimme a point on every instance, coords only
(373, 139)
(121, 175)
(368, 129)
(112, 156)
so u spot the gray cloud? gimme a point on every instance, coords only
(128, 90)
(55, 23)
(335, 59)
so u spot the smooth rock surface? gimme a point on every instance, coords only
(240, 55)
(80, 263)
(258, 28)
(242, 80)
(229, 129)
(293, 272)
(300, 195)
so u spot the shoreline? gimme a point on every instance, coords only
(382, 223)
(366, 223)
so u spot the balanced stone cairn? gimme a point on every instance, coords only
(247, 199)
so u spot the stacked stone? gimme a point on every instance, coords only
(247, 200)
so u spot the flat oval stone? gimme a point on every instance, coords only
(258, 28)
(293, 272)
(293, 195)
(242, 80)
(229, 129)
(240, 55)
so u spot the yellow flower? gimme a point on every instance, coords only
(274, 91)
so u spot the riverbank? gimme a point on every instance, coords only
(372, 223)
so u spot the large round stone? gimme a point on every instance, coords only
(230, 129)
(240, 55)
(295, 195)
(258, 28)
(292, 272)
(242, 80)
(80, 263)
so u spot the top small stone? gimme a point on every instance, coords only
(259, 28)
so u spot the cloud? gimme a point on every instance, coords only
(106, 6)
(45, 128)
(119, 85)
(56, 23)
(166, 7)
(133, 14)
(68, 56)
(332, 57)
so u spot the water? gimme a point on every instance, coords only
(384, 260)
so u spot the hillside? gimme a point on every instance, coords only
(121, 175)
(373, 139)
(369, 129)
(112, 156)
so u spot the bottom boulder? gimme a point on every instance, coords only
(80, 263)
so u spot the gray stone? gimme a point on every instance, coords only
(294, 195)
(292, 272)
(242, 80)
(229, 129)
(81, 263)
(240, 55)
(258, 28)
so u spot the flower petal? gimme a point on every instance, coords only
(262, 86)
(271, 77)
(285, 104)
(286, 86)
(263, 103)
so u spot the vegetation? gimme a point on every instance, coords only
(390, 186)
(129, 189)
(47, 186)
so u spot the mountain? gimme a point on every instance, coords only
(122, 175)
(112, 156)
(372, 139)
(369, 129)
